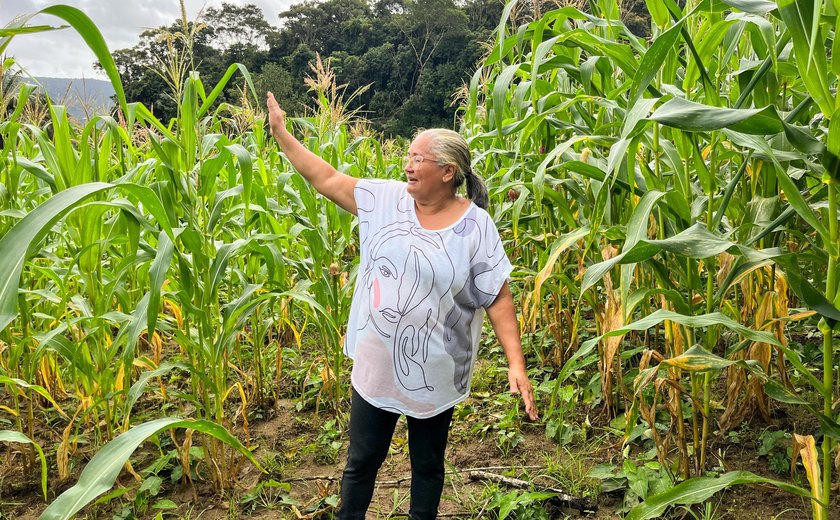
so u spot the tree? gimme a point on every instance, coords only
(404, 57)
(276, 79)
(325, 27)
(153, 71)
(231, 25)
(425, 25)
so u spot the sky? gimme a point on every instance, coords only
(63, 53)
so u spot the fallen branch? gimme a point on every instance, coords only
(565, 499)
(405, 479)
(309, 479)
(493, 468)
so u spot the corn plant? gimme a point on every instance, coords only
(136, 249)
(658, 177)
(82, 315)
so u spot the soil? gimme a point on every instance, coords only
(290, 446)
(285, 440)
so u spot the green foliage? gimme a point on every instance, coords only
(698, 490)
(520, 505)
(13, 436)
(102, 470)
(638, 481)
(628, 160)
(413, 55)
(505, 428)
(670, 205)
(328, 443)
(775, 445)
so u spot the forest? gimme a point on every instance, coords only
(405, 60)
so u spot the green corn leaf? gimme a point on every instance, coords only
(694, 242)
(782, 394)
(90, 33)
(157, 275)
(501, 29)
(18, 26)
(218, 204)
(637, 228)
(697, 117)
(710, 45)
(217, 269)
(236, 314)
(130, 332)
(38, 171)
(794, 197)
(831, 157)
(56, 341)
(139, 386)
(700, 321)
(220, 87)
(500, 90)
(188, 123)
(653, 59)
(658, 12)
(16, 244)
(246, 169)
(305, 298)
(730, 189)
(472, 106)
(24, 93)
(700, 489)
(14, 436)
(6, 33)
(103, 469)
(810, 295)
(801, 18)
(557, 151)
(593, 172)
(752, 6)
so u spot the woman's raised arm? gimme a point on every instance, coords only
(329, 182)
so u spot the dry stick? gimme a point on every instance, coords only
(579, 503)
(404, 479)
(493, 468)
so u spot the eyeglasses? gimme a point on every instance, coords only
(417, 159)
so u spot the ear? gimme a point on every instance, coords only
(448, 172)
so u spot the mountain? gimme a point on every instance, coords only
(83, 97)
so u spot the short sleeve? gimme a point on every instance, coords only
(489, 266)
(373, 197)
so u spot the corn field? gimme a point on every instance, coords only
(670, 205)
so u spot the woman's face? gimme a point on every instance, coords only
(424, 174)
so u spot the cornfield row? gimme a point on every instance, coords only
(679, 193)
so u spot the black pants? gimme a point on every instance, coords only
(371, 430)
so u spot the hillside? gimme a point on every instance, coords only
(83, 97)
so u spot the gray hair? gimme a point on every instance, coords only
(451, 148)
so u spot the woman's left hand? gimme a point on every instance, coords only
(520, 384)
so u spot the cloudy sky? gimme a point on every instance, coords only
(64, 54)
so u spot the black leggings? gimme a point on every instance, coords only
(371, 430)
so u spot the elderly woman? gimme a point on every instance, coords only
(431, 263)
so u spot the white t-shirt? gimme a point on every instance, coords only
(419, 301)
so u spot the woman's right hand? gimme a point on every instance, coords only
(276, 116)
(336, 186)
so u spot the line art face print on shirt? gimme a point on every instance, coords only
(420, 297)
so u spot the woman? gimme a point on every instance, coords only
(431, 262)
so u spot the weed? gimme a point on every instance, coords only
(775, 445)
